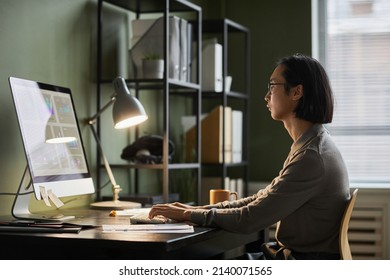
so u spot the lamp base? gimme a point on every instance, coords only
(115, 205)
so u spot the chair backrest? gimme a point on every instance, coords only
(345, 250)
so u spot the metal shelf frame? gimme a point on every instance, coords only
(169, 86)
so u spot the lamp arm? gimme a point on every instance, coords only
(94, 118)
(115, 187)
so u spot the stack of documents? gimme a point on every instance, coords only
(149, 228)
(41, 227)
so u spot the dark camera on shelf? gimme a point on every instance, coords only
(147, 149)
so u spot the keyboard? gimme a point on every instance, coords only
(143, 218)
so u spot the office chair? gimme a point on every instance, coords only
(345, 250)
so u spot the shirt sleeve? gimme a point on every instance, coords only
(297, 182)
(232, 204)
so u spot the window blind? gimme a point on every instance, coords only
(356, 55)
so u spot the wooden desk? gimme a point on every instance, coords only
(204, 243)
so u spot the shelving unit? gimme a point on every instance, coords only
(229, 32)
(169, 87)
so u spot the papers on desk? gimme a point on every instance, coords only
(149, 228)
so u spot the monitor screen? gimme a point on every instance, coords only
(51, 138)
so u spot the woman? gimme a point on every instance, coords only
(309, 195)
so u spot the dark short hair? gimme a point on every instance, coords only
(316, 105)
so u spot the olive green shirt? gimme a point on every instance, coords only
(308, 198)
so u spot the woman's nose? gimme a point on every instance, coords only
(266, 97)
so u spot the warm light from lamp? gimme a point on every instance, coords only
(130, 122)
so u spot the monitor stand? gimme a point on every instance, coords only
(21, 211)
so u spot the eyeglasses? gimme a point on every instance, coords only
(271, 86)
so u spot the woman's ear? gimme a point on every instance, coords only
(297, 92)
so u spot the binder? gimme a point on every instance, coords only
(183, 50)
(212, 67)
(190, 31)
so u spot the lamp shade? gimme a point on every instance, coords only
(127, 110)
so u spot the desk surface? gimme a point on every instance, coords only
(204, 243)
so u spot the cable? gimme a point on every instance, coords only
(105, 185)
(20, 185)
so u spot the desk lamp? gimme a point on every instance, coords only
(127, 111)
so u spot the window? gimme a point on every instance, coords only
(351, 38)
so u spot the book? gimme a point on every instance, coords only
(237, 122)
(212, 131)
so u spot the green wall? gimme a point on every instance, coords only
(54, 41)
(49, 41)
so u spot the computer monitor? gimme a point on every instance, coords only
(52, 143)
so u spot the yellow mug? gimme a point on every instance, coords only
(219, 195)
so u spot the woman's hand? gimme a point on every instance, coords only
(175, 211)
